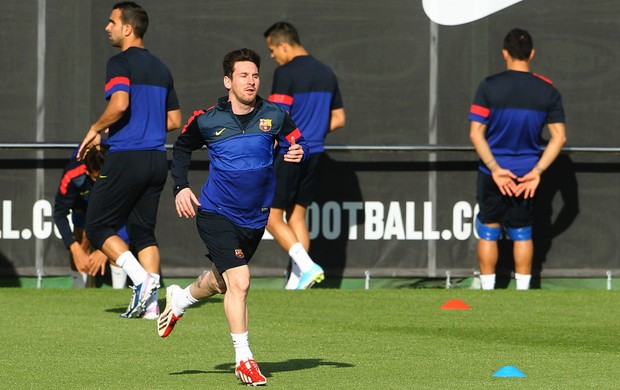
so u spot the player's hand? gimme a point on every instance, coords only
(505, 181)
(80, 258)
(98, 261)
(295, 152)
(184, 202)
(92, 138)
(528, 184)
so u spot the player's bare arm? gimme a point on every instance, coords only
(173, 120)
(529, 183)
(117, 105)
(503, 178)
(337, 120)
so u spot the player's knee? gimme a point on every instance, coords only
(520, 234)
(488, 233)
(238, 287)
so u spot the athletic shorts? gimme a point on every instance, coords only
(229, 245)
(497, 208)
(296, 183)
(127, 193)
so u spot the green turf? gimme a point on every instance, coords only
(58, 338)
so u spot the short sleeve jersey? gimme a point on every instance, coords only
(150, 86)
(515, 106)
(308, 90)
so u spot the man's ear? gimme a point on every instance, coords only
(127, 30)
(227, 82)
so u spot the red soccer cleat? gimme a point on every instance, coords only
(167, 320)
(248, 372)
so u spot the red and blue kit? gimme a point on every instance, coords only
(150, 86)
(308, 90)
(72, 198)
(516, 106)
(241, 179)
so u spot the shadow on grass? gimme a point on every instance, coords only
(270, 367)
(162, 304)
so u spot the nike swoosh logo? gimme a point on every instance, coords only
(456, 12)
(217, 133)
(103, 176)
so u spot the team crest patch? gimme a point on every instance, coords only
(264, 124)
(239, 253)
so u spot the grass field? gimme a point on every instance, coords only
(317, 339)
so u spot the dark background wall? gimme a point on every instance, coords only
(404, 80)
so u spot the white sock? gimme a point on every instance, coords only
(242, 347)
(487, 282)
(78, 279)
(119, 277)
(301, 257)
(293, 279)
(181, 302)
(134, 270)
(523, 281)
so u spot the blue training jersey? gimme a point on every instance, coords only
(308, 90)
(150, 86)
(241, 181)
(515, 106)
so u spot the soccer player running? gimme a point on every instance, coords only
(308, 90)
(142, 107)
(233, 205)
(72, 196)
(507, 116)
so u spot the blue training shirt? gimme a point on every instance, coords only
(308, 90)
(241, 181)
(150, 86)
(515, 106)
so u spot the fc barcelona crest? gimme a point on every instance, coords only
(264, 124)
(239, 253)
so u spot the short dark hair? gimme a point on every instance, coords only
(95, 156)
(518, 43)
(133, 15)
(282, 32)
(237, 56)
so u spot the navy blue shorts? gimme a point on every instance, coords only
(127, 193)
(497, 208)
(296, 183)
(229, 245)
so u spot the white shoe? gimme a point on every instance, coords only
(152, 309)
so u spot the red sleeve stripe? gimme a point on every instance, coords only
(543, 78)
(281, 98)
(479, 110)
(70, 175)
(296, 134)
(196, 113)
(117, 80)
